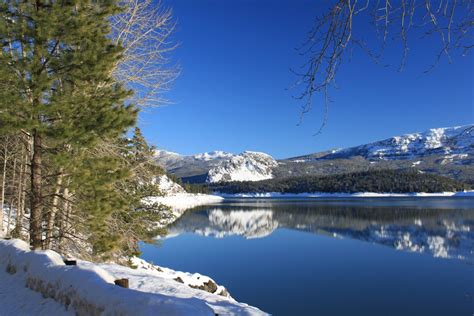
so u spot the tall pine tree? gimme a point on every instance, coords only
(56, 85)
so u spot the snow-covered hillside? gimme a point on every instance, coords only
(446, 141)
(168, 186)
(39, 283)
(175, 197)
(219, 165)
(248, 166)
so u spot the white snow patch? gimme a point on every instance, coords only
(452, 157)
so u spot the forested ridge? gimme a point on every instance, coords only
(383, 181)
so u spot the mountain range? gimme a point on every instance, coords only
(444, 151)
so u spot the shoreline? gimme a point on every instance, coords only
(88, 288)
(179, 203)
(344, 195)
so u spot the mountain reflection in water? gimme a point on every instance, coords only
(443, 232)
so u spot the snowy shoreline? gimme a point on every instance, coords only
(38, 282)
(344, 195)
(181, 202)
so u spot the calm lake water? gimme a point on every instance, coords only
(409, 256)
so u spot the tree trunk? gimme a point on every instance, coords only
(12, 199)
(53, 211)
(36, 198)
(4, 174)
(20, 189)
(21, 196)
(64, 219)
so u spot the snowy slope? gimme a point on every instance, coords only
(175, 197)
(168, 186)
(218, 166)
(446, 141)
(248, 166)
(38, 283)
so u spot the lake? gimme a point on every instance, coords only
(382, 256)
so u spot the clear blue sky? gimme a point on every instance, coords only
(232, 93)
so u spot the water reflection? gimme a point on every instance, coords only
(441, 232)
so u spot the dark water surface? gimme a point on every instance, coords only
(393, 256)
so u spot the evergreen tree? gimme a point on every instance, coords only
(56, 87)
(134, 220)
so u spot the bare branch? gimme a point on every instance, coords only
(334, 33)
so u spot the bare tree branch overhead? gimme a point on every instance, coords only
(144, 29)
(336, 33)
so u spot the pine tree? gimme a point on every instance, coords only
(132, 220)
(56, 87)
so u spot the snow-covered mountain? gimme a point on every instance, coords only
(445, 141)
(186, 166)
(218, 166)
(445, 151)
(248, 166)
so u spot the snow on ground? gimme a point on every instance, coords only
(38, 283)
(345, 195)
(175, 197)
(168, 186)
(180, 202)
(16, 299)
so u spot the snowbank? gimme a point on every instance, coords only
(180, 202)
(175, 197)
(345, 195)
(89, 289)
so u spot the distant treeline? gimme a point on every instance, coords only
(190, 187)
(383, 181)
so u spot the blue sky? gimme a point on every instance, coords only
(233, 95)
